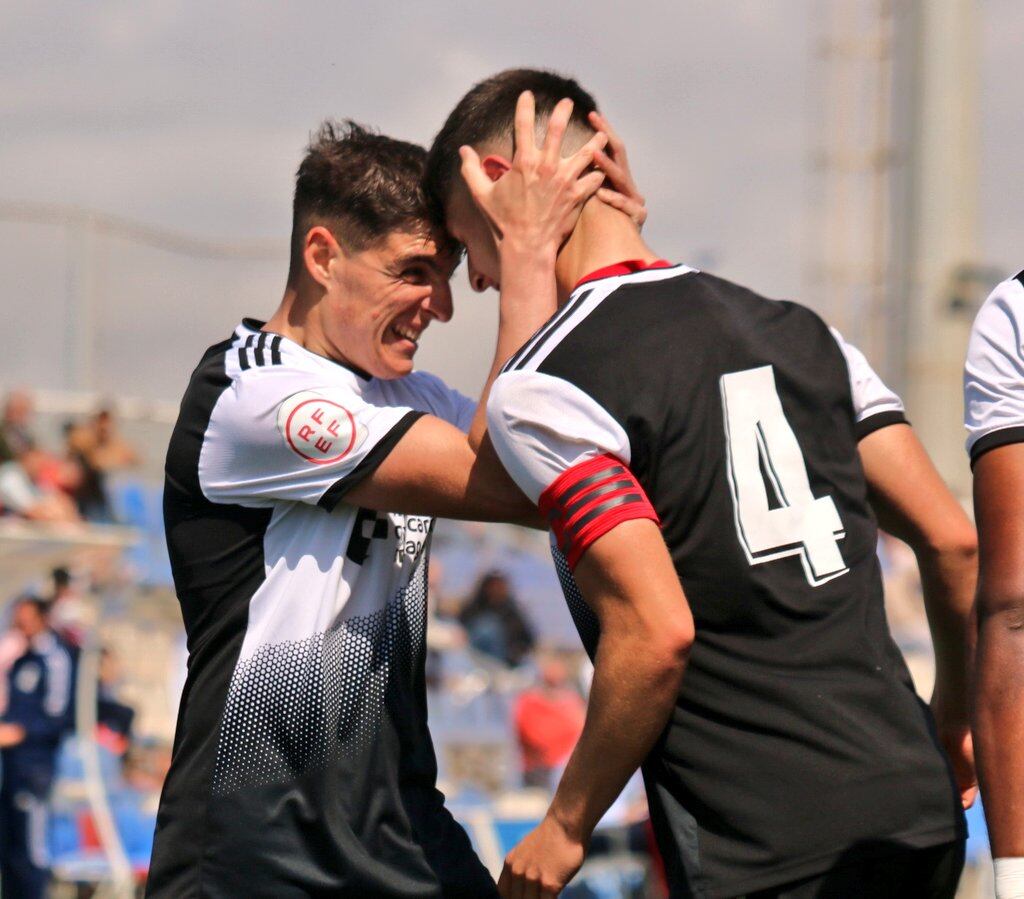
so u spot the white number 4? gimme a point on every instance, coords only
(761, 445)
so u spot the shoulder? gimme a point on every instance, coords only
(597, 308)
(425, 385)
(998, 322)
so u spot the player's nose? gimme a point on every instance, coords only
(439, 303)
(478, 280)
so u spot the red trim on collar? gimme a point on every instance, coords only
(627, 267)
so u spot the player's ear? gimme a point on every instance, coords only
(320, 251)
(495, 166)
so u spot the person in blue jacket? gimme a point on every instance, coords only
(39, 712)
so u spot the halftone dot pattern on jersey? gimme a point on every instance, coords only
(582, 615)
(293, 706)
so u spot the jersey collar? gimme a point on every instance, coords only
(254, 324)
(626, 267)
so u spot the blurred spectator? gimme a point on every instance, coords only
(109, 450)
(16, 437)
(12, 647)
(39, 713)
(97, 448)
(494, 622)
(67, 607)
(548, 721)
(113, 718)
(32, 481)
(89, 494)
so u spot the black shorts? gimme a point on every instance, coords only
(931, 873)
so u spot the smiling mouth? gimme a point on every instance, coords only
(405, 333)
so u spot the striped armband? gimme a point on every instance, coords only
(590, 499)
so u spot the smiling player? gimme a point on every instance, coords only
(302, 763)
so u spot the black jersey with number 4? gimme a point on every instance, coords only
(797, 737)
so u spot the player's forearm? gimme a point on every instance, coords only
(636, 683)
(999, 722)
(528, 299)
(948, 580)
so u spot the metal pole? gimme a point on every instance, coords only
(122, 884)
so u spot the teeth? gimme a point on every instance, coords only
(406, 333)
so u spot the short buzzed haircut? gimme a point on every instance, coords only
(487, 113)
(358, 184)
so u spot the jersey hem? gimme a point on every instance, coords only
(370, 462)
(878, 421)
(819, 864)
(995, 439)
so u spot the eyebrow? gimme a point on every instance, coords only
(432, 261)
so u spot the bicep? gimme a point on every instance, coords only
(433, 470)
(999, 512)
(628, 578)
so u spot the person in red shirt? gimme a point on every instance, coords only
(549, 719)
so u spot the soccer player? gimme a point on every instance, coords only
(664, 407)
(302, 763)
(994, 416)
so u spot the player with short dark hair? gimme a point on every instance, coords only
(663, 406)
(994, 417)
(302, 478)
(362, 184)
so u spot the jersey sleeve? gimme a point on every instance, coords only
(268, 442)
(568, 454)
(874, 404)
(994, 372)
(445, 402)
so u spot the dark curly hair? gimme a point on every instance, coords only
(359, 184)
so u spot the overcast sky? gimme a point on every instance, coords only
(193, 116)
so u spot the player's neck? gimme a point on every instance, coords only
(298, 319)
(603, 236)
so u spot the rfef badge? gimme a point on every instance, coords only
(319, 430)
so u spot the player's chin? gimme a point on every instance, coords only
(397, 363)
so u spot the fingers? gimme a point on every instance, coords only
(633, 208)
(615, 144)
(525, 124)
(586, 155)
(473, 172)
(588, 185)
(968, 796)
(618, 177)
(509, 886)
(557, 124)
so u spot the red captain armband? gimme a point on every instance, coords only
(590, 499)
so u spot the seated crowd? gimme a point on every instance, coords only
(59, 485)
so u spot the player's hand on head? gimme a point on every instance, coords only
(536, 203)
(543, 862)
(619, 190)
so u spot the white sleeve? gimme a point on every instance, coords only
(268, 441)
(874, 404)
(541, 426)
(445, 402)
(994, 372)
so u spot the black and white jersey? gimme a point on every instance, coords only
(994, 371)
(302, 762)
(797, 735)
